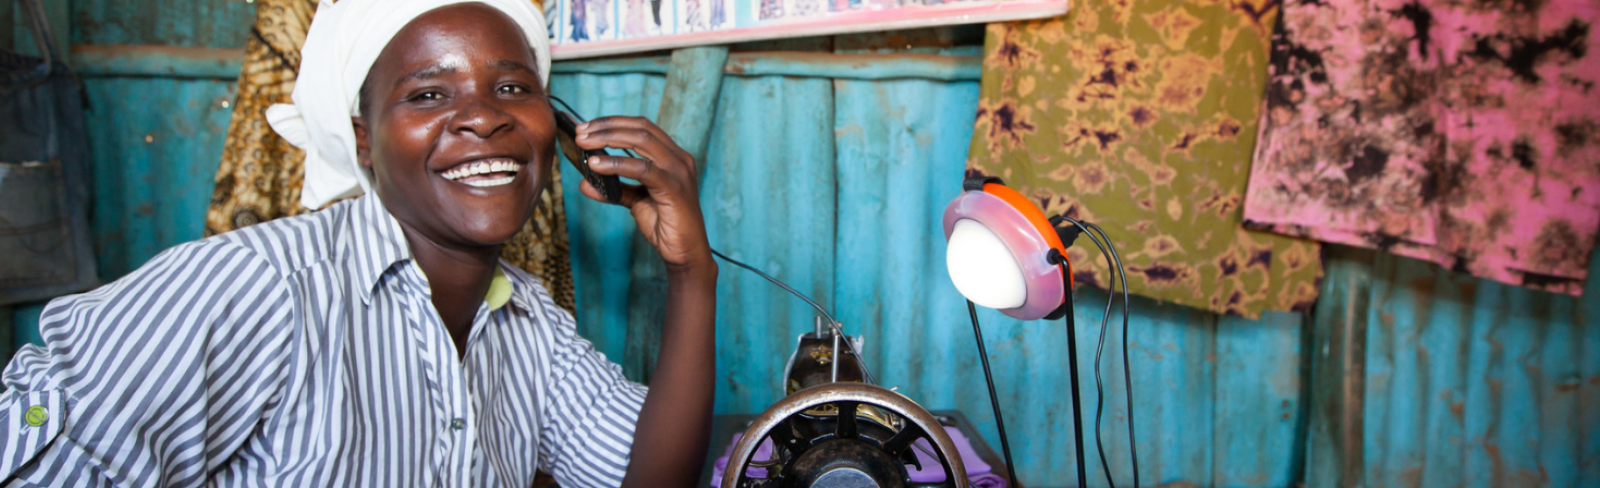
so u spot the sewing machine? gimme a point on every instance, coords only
(834, 429)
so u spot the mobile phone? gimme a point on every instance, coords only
(610, 186)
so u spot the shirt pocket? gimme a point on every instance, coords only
(29, 422)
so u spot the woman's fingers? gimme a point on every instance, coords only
(621, 122)
(664, 169)
(637, 134)
(643, 170)
(641, 142)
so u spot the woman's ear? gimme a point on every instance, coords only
(363, 147)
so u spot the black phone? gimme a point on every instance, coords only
(610, 186)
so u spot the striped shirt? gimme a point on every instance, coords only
(306, 352)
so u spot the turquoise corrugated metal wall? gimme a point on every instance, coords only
(156, 141)
(834, 185)
(153, 168)
(165, 22)
(1472, 383)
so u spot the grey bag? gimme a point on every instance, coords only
(45, 179)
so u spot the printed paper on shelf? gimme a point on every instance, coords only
(591, 28)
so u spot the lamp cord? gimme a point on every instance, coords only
(994, 399)
(1114, 267)
(1099, 384)
(1127, 374)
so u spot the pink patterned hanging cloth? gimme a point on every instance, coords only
(1466, 133)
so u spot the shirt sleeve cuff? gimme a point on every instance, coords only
(29, 422)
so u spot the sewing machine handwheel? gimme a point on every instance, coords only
(810, 454)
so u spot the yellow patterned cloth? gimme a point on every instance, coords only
(260, 175)
(1141, 117)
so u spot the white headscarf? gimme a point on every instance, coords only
(344, 40)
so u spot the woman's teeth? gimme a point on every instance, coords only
(482, 182)
(487, 172)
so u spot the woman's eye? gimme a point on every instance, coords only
(428, 96)
(513, 89)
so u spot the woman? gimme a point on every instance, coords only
(380, 342)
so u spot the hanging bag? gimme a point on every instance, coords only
(45, 179)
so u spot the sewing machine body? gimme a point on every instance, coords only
(834, 430)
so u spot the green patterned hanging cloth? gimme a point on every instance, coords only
(1142, 117)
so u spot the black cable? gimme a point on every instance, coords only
(831, 322)
(780, 284)
(564, 105)
(1117, 272)
(994, 400)
(1099, 385)
(1127, 374)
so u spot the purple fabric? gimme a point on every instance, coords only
(977, 470)
(986, 480)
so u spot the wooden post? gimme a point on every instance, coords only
(689, 101)
(1338, 371)
(688, 106)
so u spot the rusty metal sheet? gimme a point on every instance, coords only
(163, 61)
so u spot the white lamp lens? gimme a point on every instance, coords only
(983, 268)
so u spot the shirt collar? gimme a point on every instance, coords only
(375, 240)
(524, 287)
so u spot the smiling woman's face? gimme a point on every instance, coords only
(456, 126)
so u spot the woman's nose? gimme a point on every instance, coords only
(480, 117)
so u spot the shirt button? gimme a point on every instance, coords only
(36, 416)
(458, 423)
